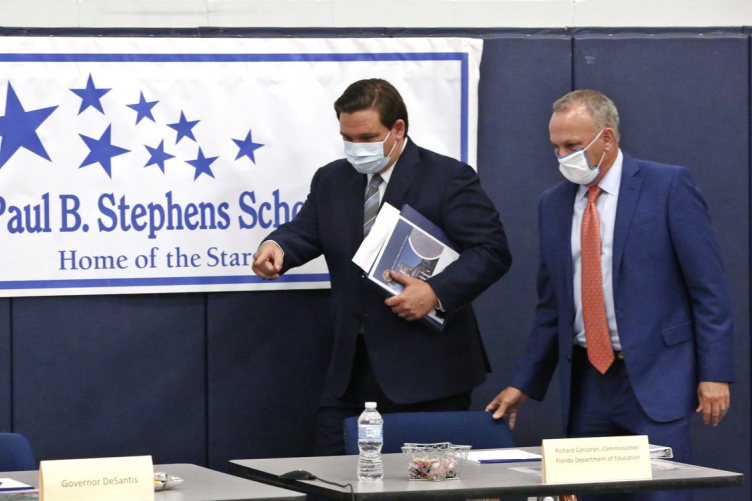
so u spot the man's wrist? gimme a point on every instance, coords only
(275, 243)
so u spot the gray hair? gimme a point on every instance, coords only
(600, 107)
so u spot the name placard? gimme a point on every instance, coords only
(113, 479)
(597, 459)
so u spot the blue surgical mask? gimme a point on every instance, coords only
(576, 166)
(368, 158)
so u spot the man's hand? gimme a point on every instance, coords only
(506, 404)
(268, 262)
(715, 401)
(416, 301)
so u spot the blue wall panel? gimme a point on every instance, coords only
(520, 79)
(6, 409)
(111, 376)
(267, 356)
(685, 101)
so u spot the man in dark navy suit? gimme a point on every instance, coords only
(381, 351)
(633, 304)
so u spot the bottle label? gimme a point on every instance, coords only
(369, 432)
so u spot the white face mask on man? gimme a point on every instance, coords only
(368, 158)
(576, 166)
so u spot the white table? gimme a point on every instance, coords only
(477, 482)
(199, 484)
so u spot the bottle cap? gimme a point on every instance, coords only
(370, 405)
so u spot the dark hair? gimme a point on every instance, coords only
(373, 93)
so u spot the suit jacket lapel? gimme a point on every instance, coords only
(353, 195)
(404, 173)
(629, 193)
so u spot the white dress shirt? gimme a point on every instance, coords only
(606, 204)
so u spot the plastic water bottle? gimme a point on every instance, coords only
(370, 441)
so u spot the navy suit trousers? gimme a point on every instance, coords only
(605, 405)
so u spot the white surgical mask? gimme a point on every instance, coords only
(576, 166)
(368, 158)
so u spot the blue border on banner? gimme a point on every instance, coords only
(461, 57)
(157, 281)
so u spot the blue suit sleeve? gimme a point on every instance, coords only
(471, 221)
(541, 355)
(299, 238)
(700, 262)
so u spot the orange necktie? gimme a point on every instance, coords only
(600, 351)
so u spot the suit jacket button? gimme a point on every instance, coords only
(357, 315)
(569, 358)
(362, 274)
(571, 320)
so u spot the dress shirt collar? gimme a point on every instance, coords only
(610, 182)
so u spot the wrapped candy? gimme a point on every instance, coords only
(163, 481)
(435, 462)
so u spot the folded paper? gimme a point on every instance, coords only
(597, 459)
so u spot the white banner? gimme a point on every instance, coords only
(133, 165)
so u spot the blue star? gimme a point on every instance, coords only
(90, 96)
(18, 128)
(158, 156)
(202, 164)
(102, 150)
(143, 108)
(247, 147)
(183, 127)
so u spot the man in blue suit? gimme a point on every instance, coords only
(381, 351)
(641, 326)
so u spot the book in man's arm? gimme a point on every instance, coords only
(410, 244)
